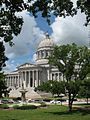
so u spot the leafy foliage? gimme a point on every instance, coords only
(60, 8)
(85, 89)
(4, 106)
(54, 87)
(3, 58)
(3, 88)
(74, 63)
(10, 24)
(25, 107)
(71, 60)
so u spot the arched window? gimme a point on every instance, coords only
(42, 54)
(47, 54)
(56, 76)
(52, 76)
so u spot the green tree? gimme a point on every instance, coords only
(85, 89)
(10, 23)
(57, 88)
(3, 88)
(74, 63)
(3, 58)
(60, 8)
(54, 87)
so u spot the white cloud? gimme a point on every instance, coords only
(70, 29)
(65, 31)
(10, 66)
(25, 41)
(34, 57)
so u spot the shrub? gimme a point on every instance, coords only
(4, 106)
(62, 100)
(47, 100)
(43, 104)
(18, 98)
(25, 107)
(16, 106)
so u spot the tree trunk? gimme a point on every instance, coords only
(70, 102)
(70, 107)
(0, 95)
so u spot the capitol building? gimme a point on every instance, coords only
(33, 75)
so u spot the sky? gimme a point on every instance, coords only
(62, 31)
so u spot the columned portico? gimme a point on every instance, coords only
(33, 75)
(30, 77)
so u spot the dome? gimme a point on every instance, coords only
(44, 50)
(47, 42)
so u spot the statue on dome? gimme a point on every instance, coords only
(47, 35)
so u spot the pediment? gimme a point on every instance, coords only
(26, 65)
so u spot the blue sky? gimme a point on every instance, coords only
(62, 31)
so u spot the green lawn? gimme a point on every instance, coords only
(51, 113)
(83, 105)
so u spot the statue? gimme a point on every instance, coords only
(47, 35)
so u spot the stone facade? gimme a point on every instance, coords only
(33, 75)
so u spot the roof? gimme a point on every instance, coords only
(27, 65)
(47, 42)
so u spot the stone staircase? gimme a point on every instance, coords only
(30, 94)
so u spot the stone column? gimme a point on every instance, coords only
(37, 82)
(25, 79)
(51, 76)
(38, 77)
(11, 81)
(44, 53)
(33, 78)
(54, 76)
(22, 78)
(18, 80)
(48, 74)
(14, 80)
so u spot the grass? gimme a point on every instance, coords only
(53, 112)
(83, 105)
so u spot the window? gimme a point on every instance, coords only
(52, 76)
(56, 76)
(47, 54)
(42, 54)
